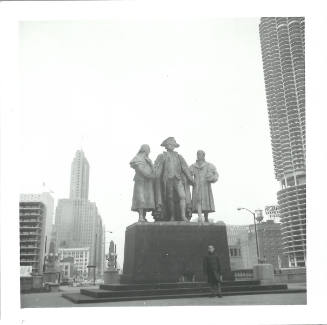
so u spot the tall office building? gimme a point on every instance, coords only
(78, 223)
(79, 179)
(32, 222)
(48, 201)
(282, 45)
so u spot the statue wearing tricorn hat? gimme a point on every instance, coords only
(172, 185)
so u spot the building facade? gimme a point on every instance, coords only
(32, 226)
(79, 177)
(237, 237)
(243, 248)
(77, 222)
(81, 256)
(283, 54)
(269, 242)
(48, 201)
(68, 269)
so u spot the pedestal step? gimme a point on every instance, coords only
(119, 287)
(111, 293)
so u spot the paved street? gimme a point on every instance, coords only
(54, 299)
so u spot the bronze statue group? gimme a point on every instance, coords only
(163, 188)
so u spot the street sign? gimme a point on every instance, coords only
(272, 211)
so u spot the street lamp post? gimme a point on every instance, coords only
(255, 228)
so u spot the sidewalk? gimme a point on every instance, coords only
(54, 299)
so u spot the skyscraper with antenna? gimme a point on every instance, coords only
(79, 179)
(78, 223)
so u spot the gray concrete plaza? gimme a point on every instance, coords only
(54, 299)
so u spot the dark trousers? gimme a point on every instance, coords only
(216, 288)
(214, 282)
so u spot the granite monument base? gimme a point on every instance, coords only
(111, 277)
(171, 252)
(263, 273)
(51, 276)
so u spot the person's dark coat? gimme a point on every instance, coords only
(211, 266)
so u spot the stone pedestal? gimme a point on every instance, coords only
(170, 252)
(37, 281)
(264, 273)
(111, 277)
(51, 276)
(26, 283)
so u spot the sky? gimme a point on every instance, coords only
(109, 86)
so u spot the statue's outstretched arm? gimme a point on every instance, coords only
(141, 167)
(213, 175)
(158, 166)
(186, 169)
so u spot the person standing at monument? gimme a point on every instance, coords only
(204, 175)
(211, 267)
(143, 194)
(173, 178)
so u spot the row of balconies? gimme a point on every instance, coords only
(294, 222)
(297, 245)
(286, 232)
(30, 227)
(290, 232)
(29, 240)
(294, 240)
(29, 233)
(27, 214)
(294, 236)
(292, 212)
(289, 159)
(297, 252)
(288, 202)
(22, 247)
(293, 204)
(285, 131)
(30, 207)
(299, 188)
(299, 217)
(23, 254)
(30, 261)
(33, 220)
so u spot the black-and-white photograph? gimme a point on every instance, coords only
(162, 162)
(170, 170)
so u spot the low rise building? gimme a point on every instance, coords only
(81, 257)
(243, 247)
(270, 243)
(68, 268)
(238, 253)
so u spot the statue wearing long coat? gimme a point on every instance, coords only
(204, 174)
(143, 194)
(161, 189)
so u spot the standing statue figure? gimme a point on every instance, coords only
(172, 190)
(143, 195)
(204, 174)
